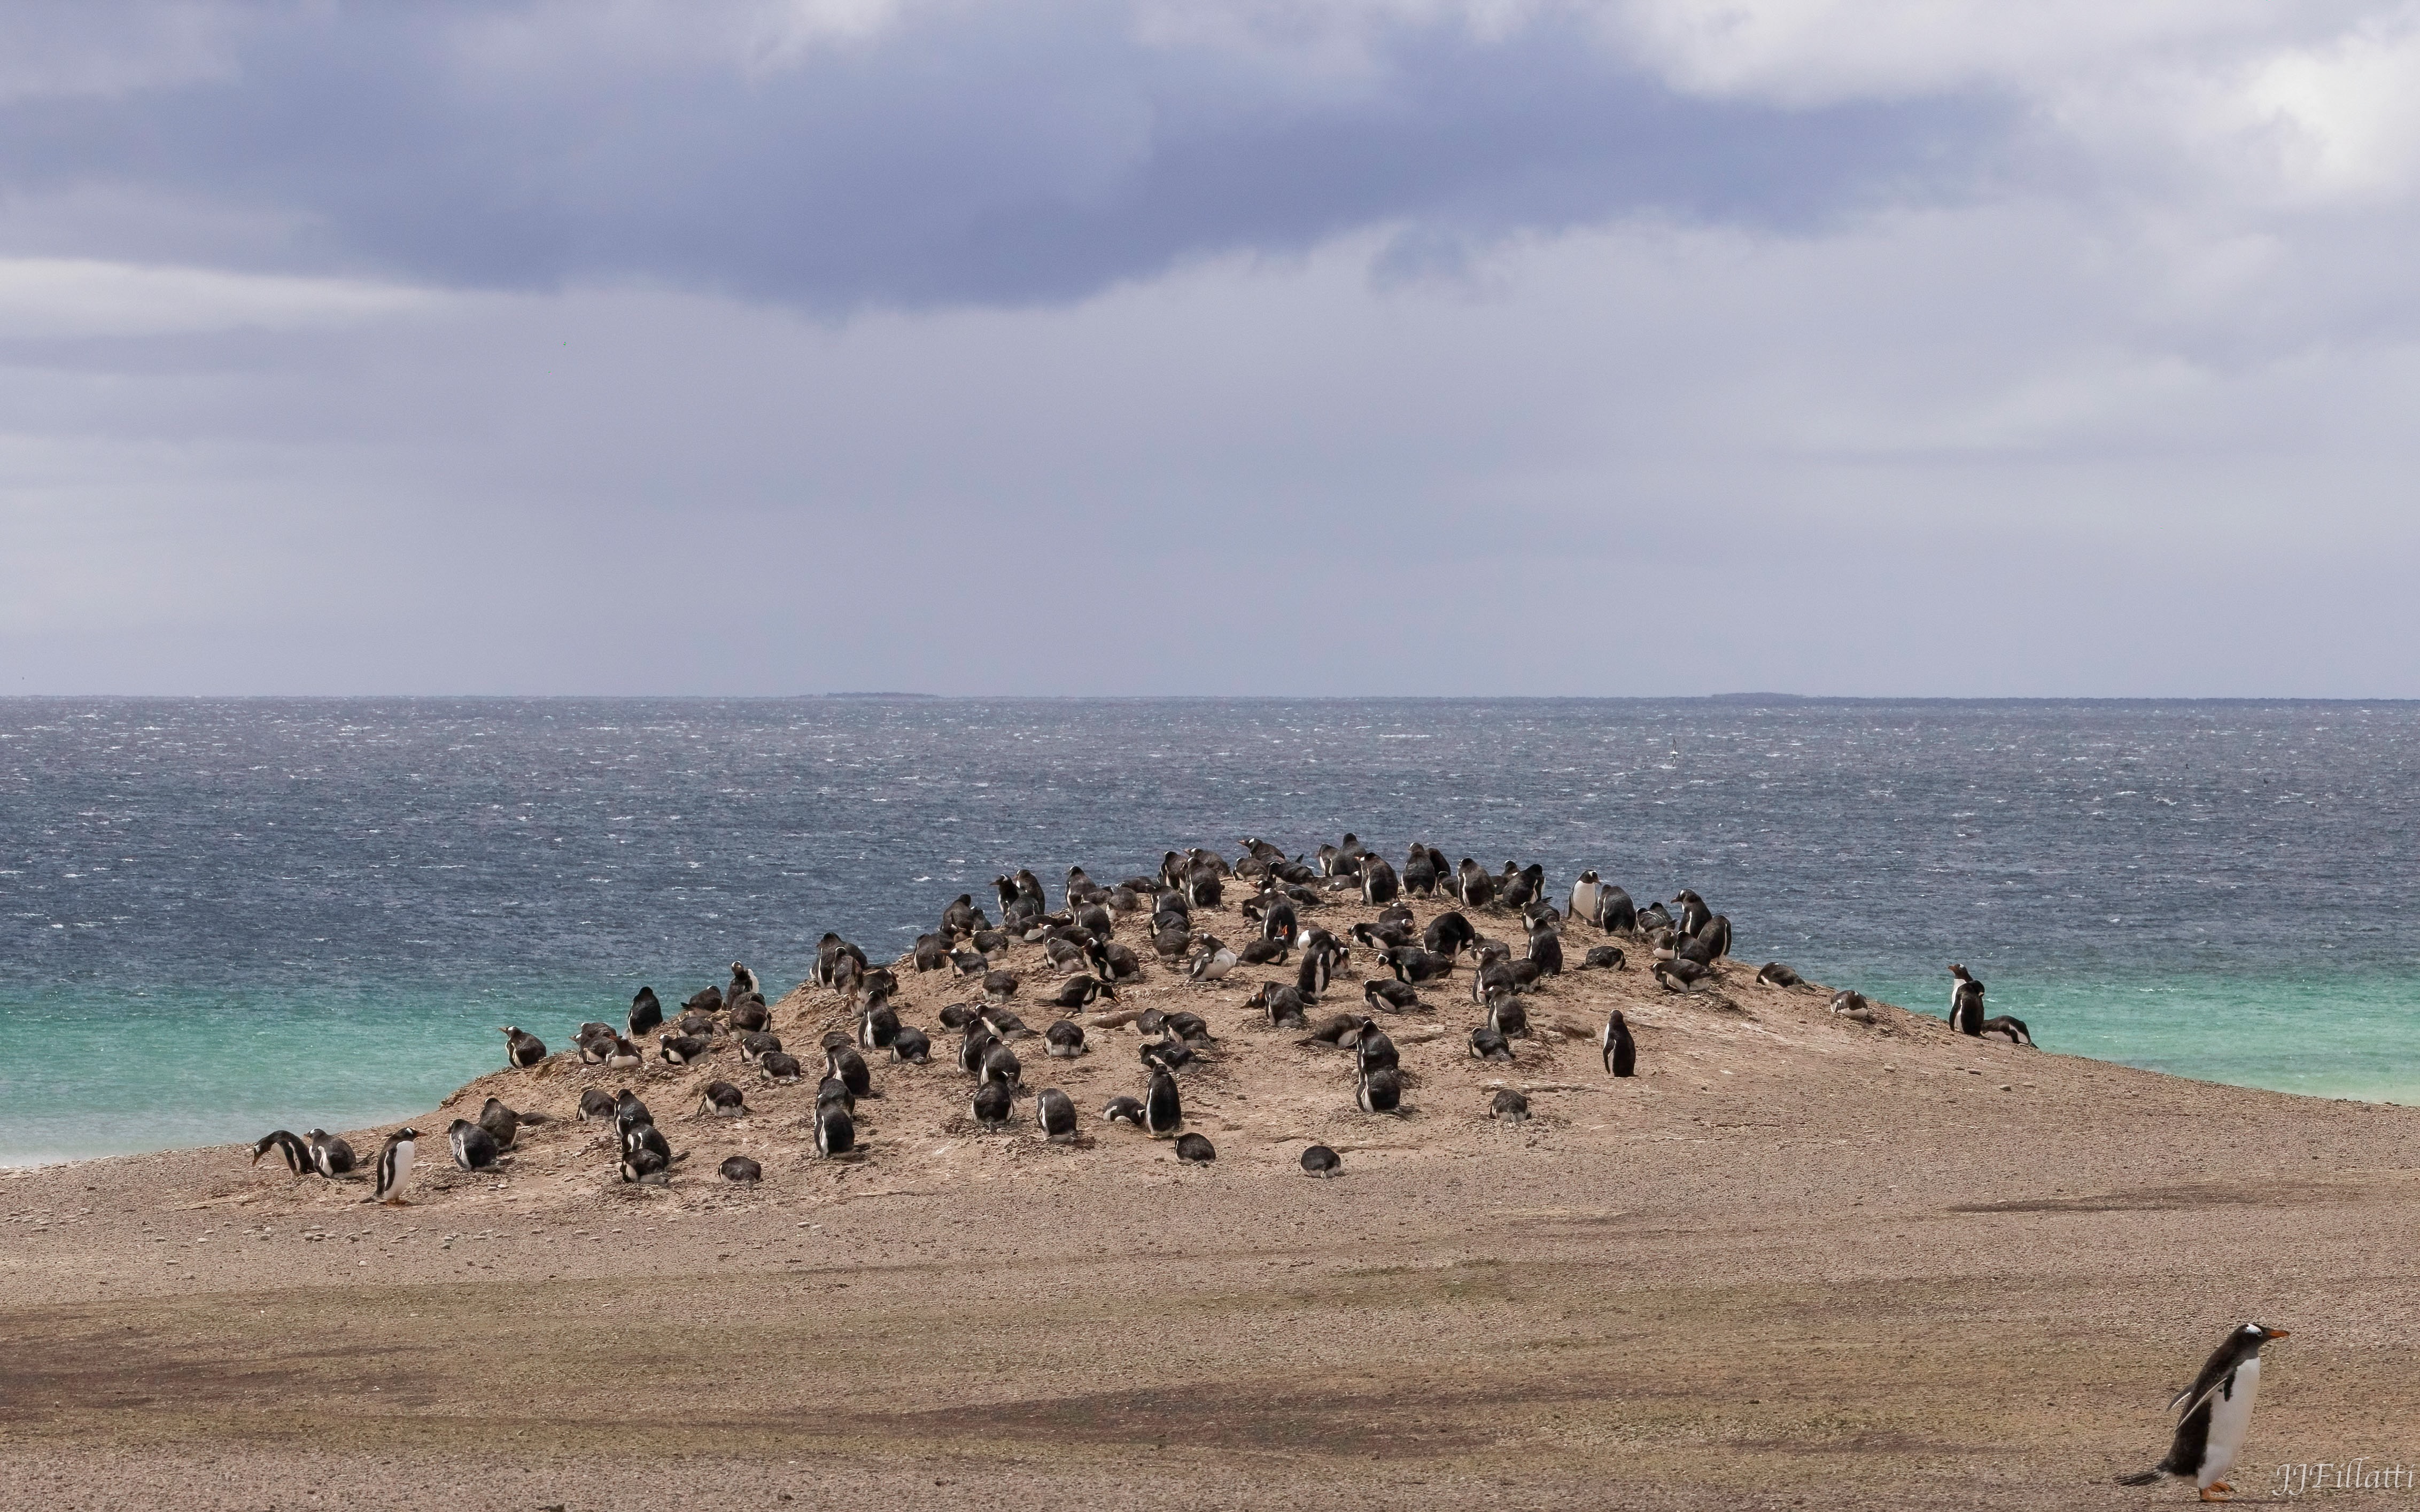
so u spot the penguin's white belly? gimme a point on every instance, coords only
(402, 1169)
(2231, 1418)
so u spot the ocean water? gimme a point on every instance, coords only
(217, 917)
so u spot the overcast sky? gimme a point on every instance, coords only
(1872, 347)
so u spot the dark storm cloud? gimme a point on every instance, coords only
(956, 154)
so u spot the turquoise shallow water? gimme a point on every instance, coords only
(2347, 1037)
(218, 917)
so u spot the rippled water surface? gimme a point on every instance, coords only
(217, 915)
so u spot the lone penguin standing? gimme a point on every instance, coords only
(2217, 1412)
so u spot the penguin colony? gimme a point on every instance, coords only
(1245, 930)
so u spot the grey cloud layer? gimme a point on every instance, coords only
(959, 154)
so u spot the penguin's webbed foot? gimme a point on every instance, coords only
(2214, 1493)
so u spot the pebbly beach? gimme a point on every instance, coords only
(1800, 1255)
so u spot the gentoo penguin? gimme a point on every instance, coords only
(1123, 1110)
(1167, 1054)
(521, 1049)
(993, 1105)
(1373, 1051)
(910, 1046)
(1163, 1111)
(1320, 1161)
(877, 1028)
(1264, 952)
(1679, 975)
(628, 1111)
(1449, 933)
(644, 1168)
(297, 1153)
(1277, 922)
(1389, 996)
(1506, 1015)
(1056, 1112)
(474, 1149)
(2006, 1027)
(1317, 970)
(637, 1137)
(847, 1064)
(832, 1089)
(1381, 1092)
(1420, 878)
(743, 981)
(1604, 958)
(1211, 961)
(1282, 1004)
(1849, 1003)
(1379, 884)
(721, 1100)
(1519, 887)
(2217, 1412)
(930, 954)
(1509, 1105)
(680, 1049)
(750, 1016)
(1546, 949)
(1695, 914)
(395, 1168)
(1584, 891)
(755, 1047)
(502, 1125)
(646, 1013)
(1081, 990)
(1965, 1002)
(1774, 974)
(957, 919)
(1621, 1051)
(781, 1068)
(835, 1131)
(1000, 1066)
(958, 1015)
(596, 1103)
(1339, 1031)
(1487, 1044)
(1195, 1147)
(1412, 963)
(624, 1055)
(330, 1156)
(1191, 1027)
(741, 1168)
(1615, 913)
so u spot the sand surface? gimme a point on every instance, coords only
(1796, 1261)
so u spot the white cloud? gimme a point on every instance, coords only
(53, 298)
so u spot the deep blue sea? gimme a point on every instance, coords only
(221, 916)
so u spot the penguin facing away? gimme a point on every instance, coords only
(1621, 1051)
(1163, 1110)
(2217, 1413)
(329, 1156)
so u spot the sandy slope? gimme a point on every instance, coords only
(1796, 1261)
